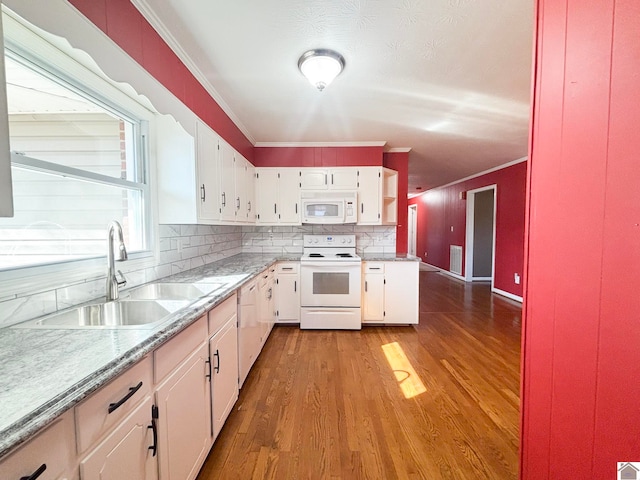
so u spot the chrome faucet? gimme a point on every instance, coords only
(115, 280)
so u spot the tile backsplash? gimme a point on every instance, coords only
(183, 247)
(288, 240)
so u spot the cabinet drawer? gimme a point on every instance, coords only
(120, 396)
(172, 353)
(54, 447)
(374, 267)
(222, 313)
(264, 278)
(288, 267)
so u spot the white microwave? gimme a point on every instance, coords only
(329, 207)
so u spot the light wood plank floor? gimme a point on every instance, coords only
(333, 405)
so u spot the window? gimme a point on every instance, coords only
(77, 163)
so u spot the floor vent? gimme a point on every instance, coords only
(455, 259)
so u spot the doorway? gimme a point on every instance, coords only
(413, 229)
(481, 234)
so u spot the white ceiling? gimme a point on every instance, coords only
(449, 79)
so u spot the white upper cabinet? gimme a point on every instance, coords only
(278, 196)
(227, 163)
(207, 142)
(377, 196)
(6, 192)
(203, 180)
(341, 178)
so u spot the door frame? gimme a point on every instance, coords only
(468, 248)
(412, 230)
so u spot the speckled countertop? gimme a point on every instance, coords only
(389, 257)
(46, 371)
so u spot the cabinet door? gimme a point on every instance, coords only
(227, 160)
(401, 292)
(315, 179)
(125, 453)
(345, 178)
(223, 351)
(373, 294)
(369, 195)
(208, 177)
(289, 196)
(267, 195)
(288, 298)
(248, 329)
(184, 418)
(250, 198)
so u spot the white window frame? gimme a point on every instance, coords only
(25, 41)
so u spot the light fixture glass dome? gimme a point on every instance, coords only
(321, 66)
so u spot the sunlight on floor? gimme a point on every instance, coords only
(406, 376)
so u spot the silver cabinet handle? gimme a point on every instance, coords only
(366, 287)
(224, 199)
(203, 193)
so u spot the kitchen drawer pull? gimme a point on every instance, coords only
(36, 474)
(217, 355)
(287, 268)
(208, 362)
(366, 289)
(154, 416)
(132, 390)
(374, 268)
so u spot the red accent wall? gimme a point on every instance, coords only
(581, 331)
(317, 156)
(399, 161)
(126, 26)
(441, 208)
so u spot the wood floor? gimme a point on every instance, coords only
(333, 404)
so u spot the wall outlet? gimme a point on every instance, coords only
(452, 228)
(425, 254)
(516, 278)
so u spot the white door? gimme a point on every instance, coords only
(267, 195)
(373, 297)
(288, 196)
(315, 179)
(126, 452)
(345, 178)
(184, 418)
(413, 229)
(208, 177)
(223, 352)
(227, 162)
(369, 196)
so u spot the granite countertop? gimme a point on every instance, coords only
(46, 371)
(389, 257)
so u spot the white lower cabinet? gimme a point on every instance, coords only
(266, 304)
(183, 401)
(287, 292)
(390, 292)
(52, 453)
(130, 451)
(223, 366)
(249, 329)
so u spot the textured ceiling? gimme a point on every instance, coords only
(449, 79)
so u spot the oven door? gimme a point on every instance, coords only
(330, 284)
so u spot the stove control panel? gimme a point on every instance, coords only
(329, 240)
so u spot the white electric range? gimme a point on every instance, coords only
(330, 283)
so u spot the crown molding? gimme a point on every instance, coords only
(398, 150)
(319, 144)
(150, 16)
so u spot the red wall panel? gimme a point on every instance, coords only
(124, 24)
(441, 208)
(581, 331)
(317, 156)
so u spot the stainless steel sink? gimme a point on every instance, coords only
(116, 314)
(171, 291)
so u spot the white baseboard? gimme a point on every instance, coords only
(481, 279)
(446, 272)
(507, 294)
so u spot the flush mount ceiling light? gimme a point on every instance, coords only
(321, 66)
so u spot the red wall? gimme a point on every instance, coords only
(442, 208)
(317, 156)
(122, 22)
(581, 332)
(399, 161)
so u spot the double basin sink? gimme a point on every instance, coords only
(144, 306)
